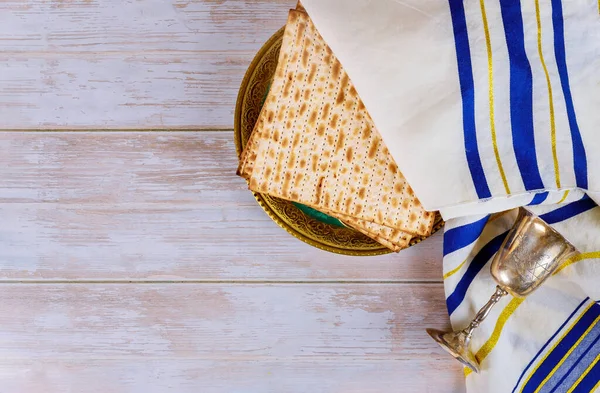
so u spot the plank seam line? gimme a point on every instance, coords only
(43, 54)
(326, 357)
(229, 282)
(110, 130)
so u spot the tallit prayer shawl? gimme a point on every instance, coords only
(484, 105)
(487, 106)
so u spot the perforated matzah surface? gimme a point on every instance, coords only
(316, 144)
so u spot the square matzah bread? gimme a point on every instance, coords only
(318, 145)
(389, 237)
(315, 143)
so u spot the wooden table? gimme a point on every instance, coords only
(134, 260)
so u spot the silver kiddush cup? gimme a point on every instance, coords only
(531, 252)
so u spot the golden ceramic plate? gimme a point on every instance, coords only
(310, 226)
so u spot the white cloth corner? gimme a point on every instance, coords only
(481, 106)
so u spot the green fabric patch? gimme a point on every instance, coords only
(317, 215)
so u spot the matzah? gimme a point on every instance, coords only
(314, 143)
(389, 237)
(394, 238)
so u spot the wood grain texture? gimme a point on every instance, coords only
(119, 90)
(326, 375)
(99, 26)
(157, 206)
(365, 338)
(137, 261)
(128, 64)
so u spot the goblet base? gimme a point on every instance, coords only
(457, 345)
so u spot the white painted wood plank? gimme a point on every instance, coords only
(120, 90)
(167, 206)
(333, 375)
(116, 168)
(128, 64)
(286, 331)
(164, 243)
(154, 206)
(41, 27)
(231, 321)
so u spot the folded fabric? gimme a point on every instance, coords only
(497, 101)
(547, 342)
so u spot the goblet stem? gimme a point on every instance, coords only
(484, 312)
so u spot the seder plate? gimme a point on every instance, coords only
(310, 226)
